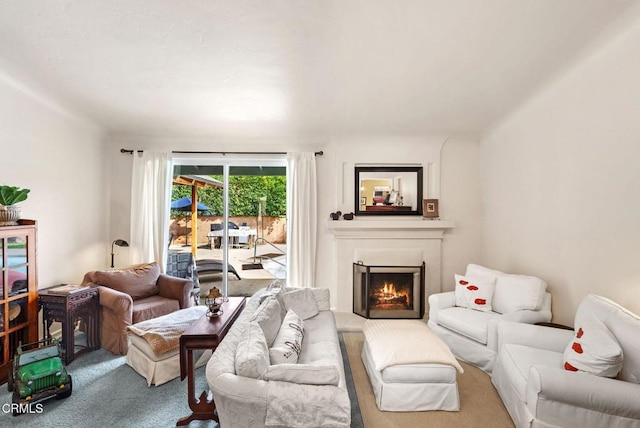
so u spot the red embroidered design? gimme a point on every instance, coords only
(577, 347)
(463, 282)
(480, 301)
(569, 367)
(579, 333)
(472, 288)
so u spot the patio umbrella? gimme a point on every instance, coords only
(184, 204)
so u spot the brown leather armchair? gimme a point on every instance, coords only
(138, 293)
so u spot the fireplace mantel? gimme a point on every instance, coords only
(398, 236)
(399, 229)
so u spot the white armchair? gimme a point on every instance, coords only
(538, 391)
(472, 334)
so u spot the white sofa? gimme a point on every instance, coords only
(257, 402)
(538, 391)
(472, 334)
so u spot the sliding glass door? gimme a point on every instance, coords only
(230, 214)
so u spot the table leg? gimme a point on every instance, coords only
(70, 347)
(203, 407)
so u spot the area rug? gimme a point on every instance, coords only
(480, 405)
(109, 393)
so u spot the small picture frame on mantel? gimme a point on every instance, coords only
(430, 208)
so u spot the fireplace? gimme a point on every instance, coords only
(388, 291)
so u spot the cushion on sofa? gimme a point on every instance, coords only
(471, 324)
(323, 298)
(288, 343)
(302, 301)
(623, 324)
(268, 317)
(474, 293)
(309, 374)
(593, 350)
(512, 292)
(152, 307)
(252, 353)
(275, 289)
(137, 281)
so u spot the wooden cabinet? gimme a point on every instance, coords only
(18, 291)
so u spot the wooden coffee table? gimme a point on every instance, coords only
(206, 333)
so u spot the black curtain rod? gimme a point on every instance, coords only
(320, 153)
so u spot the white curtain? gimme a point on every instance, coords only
(301, 219)
(150, 204)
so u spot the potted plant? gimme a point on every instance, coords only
(9, 197)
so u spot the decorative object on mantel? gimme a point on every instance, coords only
(9, 197)
(336, 215)
(348, 216)
(430, 209)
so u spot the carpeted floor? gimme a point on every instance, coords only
(480, 405)
(108, 393)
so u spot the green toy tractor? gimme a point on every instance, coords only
(38, 374)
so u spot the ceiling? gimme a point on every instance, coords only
(293, 68)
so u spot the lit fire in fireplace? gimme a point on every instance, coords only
(388, 297)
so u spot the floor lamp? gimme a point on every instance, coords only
(119, 243)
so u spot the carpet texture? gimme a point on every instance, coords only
(480, 405)
(109, 393)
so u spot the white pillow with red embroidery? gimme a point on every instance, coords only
(474, 293)
(594, 349)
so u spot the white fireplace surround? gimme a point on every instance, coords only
(393, 242)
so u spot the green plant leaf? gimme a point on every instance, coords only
(10, 195)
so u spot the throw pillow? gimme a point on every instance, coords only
(594, 349)
(278, 293)
(308, 374)
(512, 292)
(252, 353)
(276, 284)
(137, 281)
(302, 301)
(518, 292)
(268, 317)
(288, 344)
(474, 293)
(323, 298)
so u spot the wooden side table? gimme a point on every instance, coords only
(69, 309)
(206, 333)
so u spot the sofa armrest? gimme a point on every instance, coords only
(549, 338)
(176, 289)
(121, 304)
(440, 301)
(599, 394)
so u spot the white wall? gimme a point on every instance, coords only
(461, 201)
(335, 185)
(562, 181)
(60, 158)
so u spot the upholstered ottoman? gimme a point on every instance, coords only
(410, 368)
(154, 345)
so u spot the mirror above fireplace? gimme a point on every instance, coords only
(388, 190)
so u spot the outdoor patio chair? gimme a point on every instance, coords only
(206, 266)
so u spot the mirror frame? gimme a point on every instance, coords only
(391, 169)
